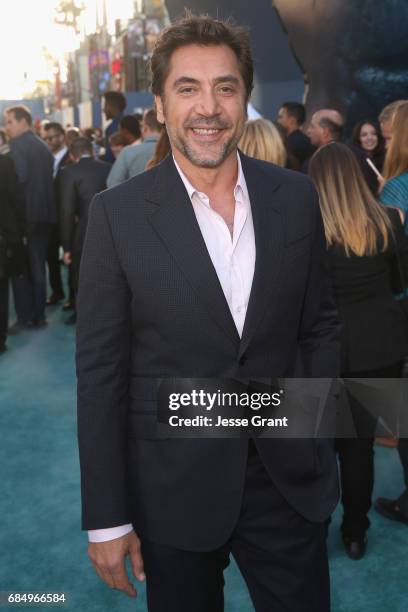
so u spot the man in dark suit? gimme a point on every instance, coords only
(291, 117)
(54, 136)
(34, 164)
(209, 265)
(114, 108)
(12, 233)
(79, 183)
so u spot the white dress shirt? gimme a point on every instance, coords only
(233, 258)
(57, 159)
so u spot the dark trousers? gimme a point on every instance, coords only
(71, 295)
(281, 556)
(403, 453)
(30, 290)
(356, 458)
(4, 299)
(54, 264)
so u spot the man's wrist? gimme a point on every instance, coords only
(104, 535)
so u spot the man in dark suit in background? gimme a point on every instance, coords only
(12, 233)
(209, 265)
(78, 185)
(291, 117)
(54, 136)
(34, 164)
(114, 107)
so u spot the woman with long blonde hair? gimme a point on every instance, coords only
(363, 239)
(395, 189)
(261, 139)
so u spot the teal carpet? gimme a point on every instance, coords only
(41, 545)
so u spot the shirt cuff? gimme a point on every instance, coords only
(104, 535)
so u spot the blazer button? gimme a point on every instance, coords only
(243, 360)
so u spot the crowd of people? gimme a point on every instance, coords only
(363, 192)
(48, 179)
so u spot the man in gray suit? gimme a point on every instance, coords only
(34, 165)
(132, 160)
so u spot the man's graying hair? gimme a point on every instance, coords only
(204, 31)
(335, 129)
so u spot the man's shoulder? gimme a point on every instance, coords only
(128, 154)
(39, 148)
(36, 142)
(101, 164)
(282, 177)
(31, 147)
(134, 151)
(290, 192)
(136, 186)
(297, 136)
(69, 171)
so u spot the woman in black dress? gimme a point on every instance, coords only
(362, 240)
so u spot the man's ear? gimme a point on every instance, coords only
(326, 134)
(159, 109)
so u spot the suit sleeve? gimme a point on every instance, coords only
(67, 199)
(102, 358)
(319, 338)
(118, 172)
(15, 196)
(20, 161)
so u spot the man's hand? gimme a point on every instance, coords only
(108, 559)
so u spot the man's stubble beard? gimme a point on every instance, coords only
(199, 159)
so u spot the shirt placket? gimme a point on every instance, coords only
(237, 284)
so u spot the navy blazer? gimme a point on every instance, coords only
(78, 183)
(150, 305)
(34, 165)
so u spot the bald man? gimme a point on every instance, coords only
(325, 126)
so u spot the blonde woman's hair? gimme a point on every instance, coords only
(389, 110)
(352, 217)
(261, 139)
(396, 159)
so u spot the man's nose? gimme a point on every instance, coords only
(208, 103)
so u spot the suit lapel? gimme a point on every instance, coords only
(174, 220)
(269, 228)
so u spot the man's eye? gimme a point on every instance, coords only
(226, 89)
(186, 90)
